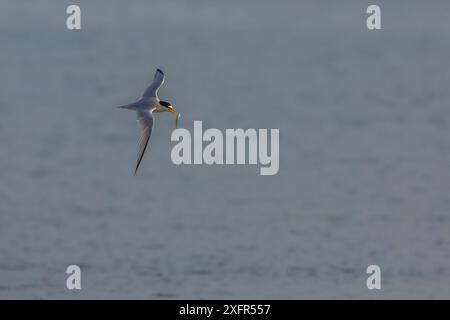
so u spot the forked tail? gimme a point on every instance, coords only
(131, 106)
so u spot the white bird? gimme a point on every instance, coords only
(145, 107)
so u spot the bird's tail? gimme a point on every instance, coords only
(131, 106)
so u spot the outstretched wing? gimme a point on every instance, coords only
(152, 90)
(145, 122)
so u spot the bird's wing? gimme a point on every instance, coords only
(145, 122)
(152, 90)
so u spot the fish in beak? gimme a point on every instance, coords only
(176, 114)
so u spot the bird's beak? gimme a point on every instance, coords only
(172, 109)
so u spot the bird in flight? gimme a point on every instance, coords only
(145, 108)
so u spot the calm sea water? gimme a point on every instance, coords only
(364, 150)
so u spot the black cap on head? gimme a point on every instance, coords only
(164, 103)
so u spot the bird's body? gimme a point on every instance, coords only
(145, 109)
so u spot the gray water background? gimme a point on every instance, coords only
(364, 150)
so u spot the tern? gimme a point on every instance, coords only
(145, 108)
